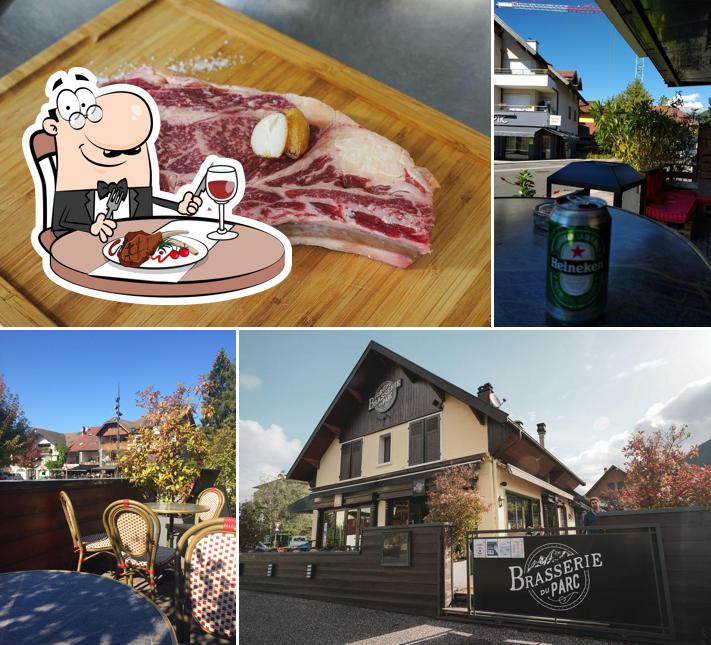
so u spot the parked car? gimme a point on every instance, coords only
(299, 543)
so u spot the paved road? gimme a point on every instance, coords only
(265, 619)
(539, 169)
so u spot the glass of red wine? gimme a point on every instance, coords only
(222, 187)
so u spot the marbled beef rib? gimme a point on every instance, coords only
(137, 247)
(353, 190)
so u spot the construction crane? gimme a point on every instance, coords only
(567, 8)
(549, 6)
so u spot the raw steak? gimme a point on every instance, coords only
(137, 247)
(353, 190)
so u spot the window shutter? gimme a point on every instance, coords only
(416, 442)
(356, 455)
(432, 439)
(345, 460)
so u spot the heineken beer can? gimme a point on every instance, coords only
(578, 259)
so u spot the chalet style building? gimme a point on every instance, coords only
(610, 483)
(100, 445)
(394, 425)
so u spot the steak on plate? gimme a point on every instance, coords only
(353, 190)
(137, 247)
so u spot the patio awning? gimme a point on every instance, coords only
(522, 474)
(515, 132)
(673, 34)
(303, 505)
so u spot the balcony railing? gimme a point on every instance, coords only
(522, 108)
(523, 71)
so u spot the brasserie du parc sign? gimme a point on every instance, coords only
(611, 578)
(384, 396)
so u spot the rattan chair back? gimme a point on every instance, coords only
(214, 498)
(207, 579)
(71, 518)
(134, 531)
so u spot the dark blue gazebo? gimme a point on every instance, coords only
(611, 176)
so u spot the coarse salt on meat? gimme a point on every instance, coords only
(353, 190)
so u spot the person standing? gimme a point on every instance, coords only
(590, 518)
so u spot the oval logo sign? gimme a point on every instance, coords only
(384, 396)
(556, 576)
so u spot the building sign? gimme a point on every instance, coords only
(418, 487)
(503, 119)
(614, 578)
(555, 119)
(384, 396)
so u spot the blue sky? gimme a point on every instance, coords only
(66, 379)
(591, 388)
(590, 44)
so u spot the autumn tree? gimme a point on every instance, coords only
(13, 424)
(456, 499)
(219, 421)
(29, 455)
(659, 472)
(166, 454)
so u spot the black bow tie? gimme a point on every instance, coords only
(103, 189)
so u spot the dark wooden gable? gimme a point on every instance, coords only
(415, 398)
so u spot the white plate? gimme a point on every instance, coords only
(169, 263)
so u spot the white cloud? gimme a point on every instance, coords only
(690, 406)
(249, 382)
(601, 424)
(644, 365)
(590, 463)
(263, 454)
(692, 102)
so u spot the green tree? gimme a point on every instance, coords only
(165, 455)
(271, 500)
(219, 421)
(633, 130)
(251, 530)
(14, 427)
(56, 464)
(456, 499)
(220, 399)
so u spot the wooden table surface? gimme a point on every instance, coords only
(449, 287)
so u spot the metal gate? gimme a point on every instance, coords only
(610, 579)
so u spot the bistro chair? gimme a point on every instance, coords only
(134, 531)
(85, 547)
(211, 497)
(207, 579)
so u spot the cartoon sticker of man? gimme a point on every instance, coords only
(105, 155)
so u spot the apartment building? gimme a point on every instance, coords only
(393, 426)
(536, 108)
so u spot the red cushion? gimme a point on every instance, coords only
(655, 186)
(678, 207)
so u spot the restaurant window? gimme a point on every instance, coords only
(384, 444)
(341, 528)
(351, 455)
(424, 441)
(517, 148)
(523, 512)
(408, 510)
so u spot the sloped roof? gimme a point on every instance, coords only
(85, 442)
(50, 435)
(305, 464)
(604, 475)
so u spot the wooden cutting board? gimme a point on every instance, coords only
(451, 287)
